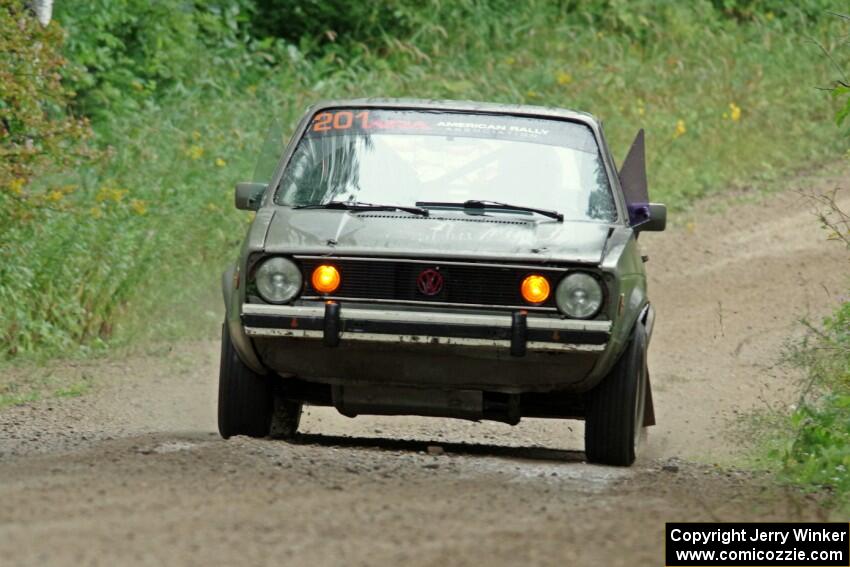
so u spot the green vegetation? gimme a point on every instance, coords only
(812, 445)
(123, 234)
(38, 384)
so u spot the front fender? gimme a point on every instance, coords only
(626, 277)
(647, 319)
(232, 317)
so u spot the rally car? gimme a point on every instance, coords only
(443, 258)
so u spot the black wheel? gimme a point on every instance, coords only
(244, 397)
(614, 426)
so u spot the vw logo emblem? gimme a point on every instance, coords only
(429, 282)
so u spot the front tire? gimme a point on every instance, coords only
(614, 426)
(245, 398)
(285, 417)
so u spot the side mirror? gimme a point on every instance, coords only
(657, 219)
(249, 194)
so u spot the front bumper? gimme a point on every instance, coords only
(518, 332)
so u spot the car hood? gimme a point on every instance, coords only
(442, 235)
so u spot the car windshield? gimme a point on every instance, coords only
(441, 159)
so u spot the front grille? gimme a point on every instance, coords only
(462, 283)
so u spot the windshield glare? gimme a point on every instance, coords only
(392, 157)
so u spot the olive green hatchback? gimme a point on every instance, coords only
(441, 258)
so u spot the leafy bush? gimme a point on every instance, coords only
(35, 128)
(818, 451)
(37, 135)
(126, 53)
(329, 19)
(752, 9)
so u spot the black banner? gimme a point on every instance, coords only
(694, 544)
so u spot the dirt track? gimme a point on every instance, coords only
(134, 472)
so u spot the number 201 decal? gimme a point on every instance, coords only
(342, 120)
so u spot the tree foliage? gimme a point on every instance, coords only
(36, 129)
(125, 54)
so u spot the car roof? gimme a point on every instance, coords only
(462, 106)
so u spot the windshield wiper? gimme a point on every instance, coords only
(478, 204)
(360, 206)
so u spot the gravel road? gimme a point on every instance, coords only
(134, 473)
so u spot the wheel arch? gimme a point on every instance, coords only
(232, 318)
(647, 319)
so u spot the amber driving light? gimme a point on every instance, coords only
(535, 289)
(326, 279)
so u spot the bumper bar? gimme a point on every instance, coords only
(332, 323)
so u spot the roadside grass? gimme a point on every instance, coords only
(810, 444)
(815, 453)
(38, 384)
(133, 248)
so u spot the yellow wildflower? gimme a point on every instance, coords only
(769, 16)
(196, 135)
(110, 194)
(734, 112)
(564, 78)
(641, 111)
(16, 186)
(139, 207)
(55, 196)
(195, 152)
(510, 60)
(252, 89)
(220, 162)
(213, 208)
(680, 129)
(137, 85)
(532, 94)
(96, 212)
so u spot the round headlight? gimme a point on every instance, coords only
(278, 280)
(579, 295)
